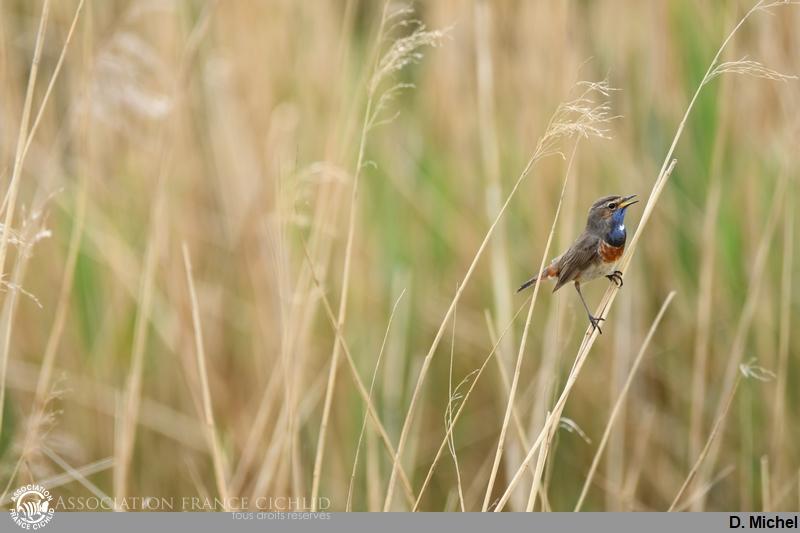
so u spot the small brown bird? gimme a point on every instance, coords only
(595, 253)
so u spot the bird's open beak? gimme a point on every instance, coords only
(627, 200)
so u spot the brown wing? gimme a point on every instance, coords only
(580, 255)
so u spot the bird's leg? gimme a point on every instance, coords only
(595, 321)
(616, 278)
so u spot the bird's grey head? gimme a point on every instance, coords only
(607, 217)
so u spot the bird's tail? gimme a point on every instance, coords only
(528, 283)
(549, 272)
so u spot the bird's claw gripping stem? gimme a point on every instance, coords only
(616, 278)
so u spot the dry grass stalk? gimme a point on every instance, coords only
(252, 444)
(581, 117)
(490, 169)
(621, 399)
(784, 335)
(334, 365)
(402, 52)
(639, 455)
(704, 316)
(454, 396)
(477, 374)
(264, 307)
(748, 371)
(580, 359)
(273, 459)
(67, 281)
(84, 471)
(65, 293)
(610, 295)
(739, 343)
(42, 391)
(490, 160)
(56, 70)
(205, 391)
(11, 195)
(129, 408)
(67, 477)
(705, 297)
(536, 484)
(711, 438)
(370, 406)
(74, 473)
(348, 505)
(748, 67)
(506, 382)
(521, 353)
(701, 493)
(766, 500)
(41, 421)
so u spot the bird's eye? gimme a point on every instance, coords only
(612, 206)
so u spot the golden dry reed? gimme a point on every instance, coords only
(262, 255)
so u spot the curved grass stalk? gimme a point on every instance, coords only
(621, 399)
(611, 293)
(460, 410)
(13, 188)
(515, 380)
(581, 117)
(401, 53)
(362, 390)
(348, 505)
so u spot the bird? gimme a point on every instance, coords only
(594, 253)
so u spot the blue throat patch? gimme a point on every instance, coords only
(617, 235)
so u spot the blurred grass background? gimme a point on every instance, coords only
(234, 127)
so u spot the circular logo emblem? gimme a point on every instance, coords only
(31, 507)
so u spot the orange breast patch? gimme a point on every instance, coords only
(610, 254)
